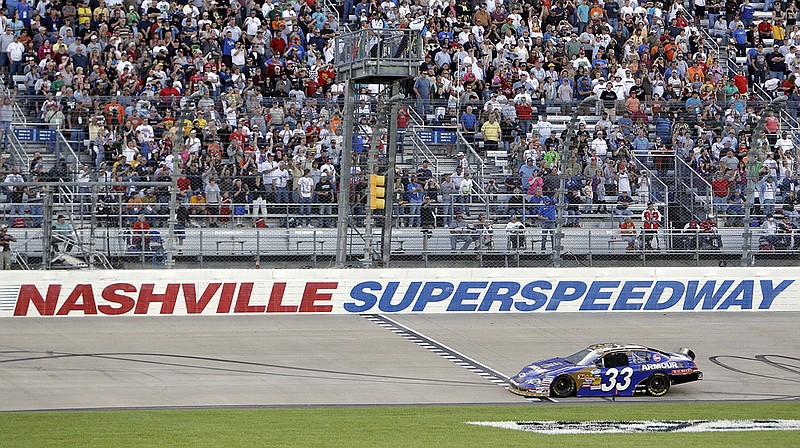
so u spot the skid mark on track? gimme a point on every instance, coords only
(447, 353)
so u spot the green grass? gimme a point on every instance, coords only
(434, 426)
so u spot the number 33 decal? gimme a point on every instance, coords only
(621, 379)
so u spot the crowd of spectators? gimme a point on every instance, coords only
(246, 94)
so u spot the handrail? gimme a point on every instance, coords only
(427, 153)
(654, 178)
(61, 140)
(19, 114)
(332, 8)
(694, 175)
(473, 155)
(415, 116)
(20, 153)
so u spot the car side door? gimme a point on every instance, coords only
(616, 374)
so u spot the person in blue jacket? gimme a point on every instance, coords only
(547, 219)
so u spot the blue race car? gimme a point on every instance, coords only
(603, 370)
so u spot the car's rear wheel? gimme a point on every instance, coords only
(563, 386)
(658, 384)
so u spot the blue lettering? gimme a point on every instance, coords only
(386, 304)
(629, 293)
(463, 293)
(530, 292)
(433, 292)
(502, 292)
(566, 291)
(676, 289)
(769, 293)
(367, 299)
(707, 294)
(744, 289)
(596, 293)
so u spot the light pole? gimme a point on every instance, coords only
(562, 181)
(752, 177)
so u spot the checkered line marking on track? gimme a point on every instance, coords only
(445, 352)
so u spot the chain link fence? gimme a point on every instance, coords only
(133, 231)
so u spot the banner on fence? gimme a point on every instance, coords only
(240, 292)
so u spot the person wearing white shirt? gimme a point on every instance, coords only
(305, 186)
(251, 25)
(280, 180)
(515, 230)
(192, 142)
(15, 52)
(544, 127)
(784, 143)
(599, 146)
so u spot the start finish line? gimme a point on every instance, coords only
(630, 427)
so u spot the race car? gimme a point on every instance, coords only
(608, 369)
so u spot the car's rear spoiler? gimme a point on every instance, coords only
(687, 352)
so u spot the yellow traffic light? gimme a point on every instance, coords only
(377, 191)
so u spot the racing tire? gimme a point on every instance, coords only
(658, 384)
(563, 386)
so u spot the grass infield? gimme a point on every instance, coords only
(417, 426)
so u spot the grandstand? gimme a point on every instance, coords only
(181, 134)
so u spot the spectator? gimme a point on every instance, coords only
(5, 248)
(547, 220)
(62, 233)
(140, 236)
(624, 201)
(460, 232)
(651, 221)
(414, 196)
(491, 133)
(628, 233)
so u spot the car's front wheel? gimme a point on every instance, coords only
(658, 384)
(563, 386)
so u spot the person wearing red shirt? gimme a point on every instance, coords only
(765, 29)
(184, 184)
(238, 134)
(170, 91)
(140, 238)
(740, 81)
(525, 116)
(720, 188)
(651, 218)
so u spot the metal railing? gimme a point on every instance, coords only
(381, 46)
(215, 235)
(17, 151)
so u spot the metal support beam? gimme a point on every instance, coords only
(391, 155)
(47, 227)
(372, 153)
(345, 161)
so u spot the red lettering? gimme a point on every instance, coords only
(126, 303)
(276, 300)
(243, 300)
(311, 295)
(226, 298)
(193, 306)
(30, 294)
(146, 297)
(87, 305)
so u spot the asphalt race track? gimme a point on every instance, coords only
(268, 360)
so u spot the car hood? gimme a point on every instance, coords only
(551, 366)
